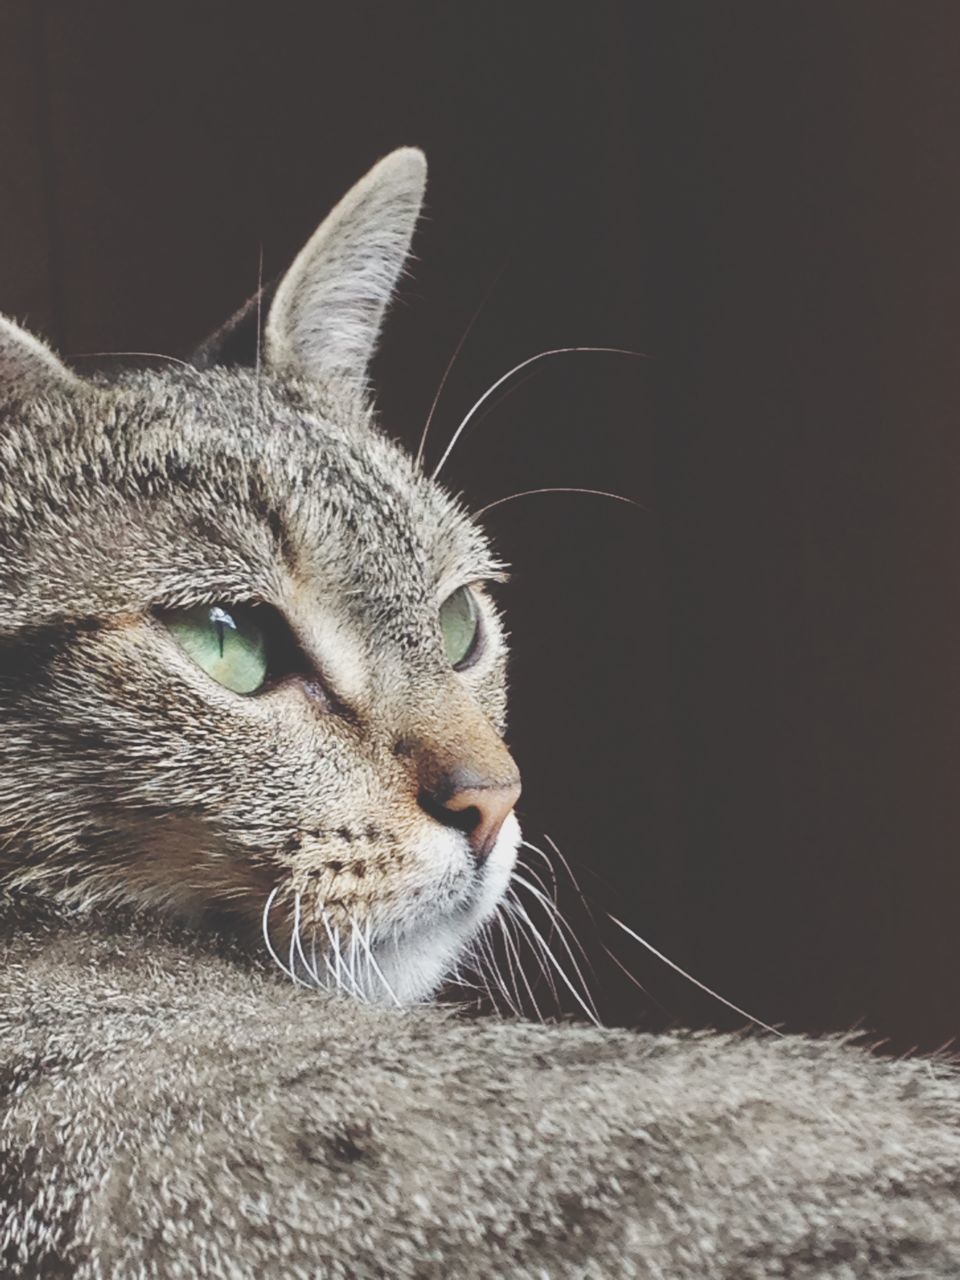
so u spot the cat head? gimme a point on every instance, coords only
(248, 666)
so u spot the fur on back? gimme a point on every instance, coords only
(171, 1112)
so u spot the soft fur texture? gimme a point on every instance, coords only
(314, 811)
(171, 1110)
(170, 1113)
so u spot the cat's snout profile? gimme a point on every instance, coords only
(475, 805)
(468, 780)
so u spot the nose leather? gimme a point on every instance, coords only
(464, 774)
(480, 811)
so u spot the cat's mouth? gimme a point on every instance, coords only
(417, 961)
(401, 956)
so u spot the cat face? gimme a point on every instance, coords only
(248, 666)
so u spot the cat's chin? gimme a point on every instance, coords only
(415, 962)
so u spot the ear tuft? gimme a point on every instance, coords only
(27, 365)
(328, 309)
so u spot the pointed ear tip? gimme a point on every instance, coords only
(409, 161)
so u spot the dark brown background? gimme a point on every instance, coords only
(742, 707)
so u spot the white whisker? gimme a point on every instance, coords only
(151, 355)
(690, 978)
(365, 942)
(509, 922)
(517, 368)
(552, 908)
(451, 362)
(352, 956)
(535, 943)
(265, 923)
(562, 932)
(257, 381)
(532, 493)
(587, 1008)
(326, 959)
(297, 919)
(334, 950)
(498, 977)
(500, 920)
(482, 962)
(554, 887)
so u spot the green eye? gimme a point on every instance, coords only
(228, 643)
(460, 625)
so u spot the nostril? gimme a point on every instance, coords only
(479, 811)
(465, 820)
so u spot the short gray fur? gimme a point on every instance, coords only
(173, 1108)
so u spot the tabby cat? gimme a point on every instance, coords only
(248, 663)
(252, 698)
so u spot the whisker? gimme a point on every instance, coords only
(352, 969)
(552, 891)
(584, 901)
(530, 493)
(487, 942)
(563, 925)
(459, 980)
(518, 368)
(549, 890)
(587, 1009)
(508, 952)
(636, 981)
(508, 923)
(265, 923)
(484, 967)
(256, 367)
(376, 968)
(690, 978)
(297, 919)
(152, 355)
(554, 887)
(334, 949)
(314, 961)
(517, 913)
(453, 359)
(331, 970)
(292, 958)
(569, 870)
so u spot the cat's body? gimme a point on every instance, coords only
(170, 1113)
(249, 679)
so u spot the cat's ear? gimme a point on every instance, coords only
(27, 365)
(328, 308)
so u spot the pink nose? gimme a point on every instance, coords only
(473, 805)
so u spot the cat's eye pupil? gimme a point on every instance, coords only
(460, 627)
(227, 642)
(221, 619)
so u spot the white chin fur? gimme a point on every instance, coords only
(415, 964)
